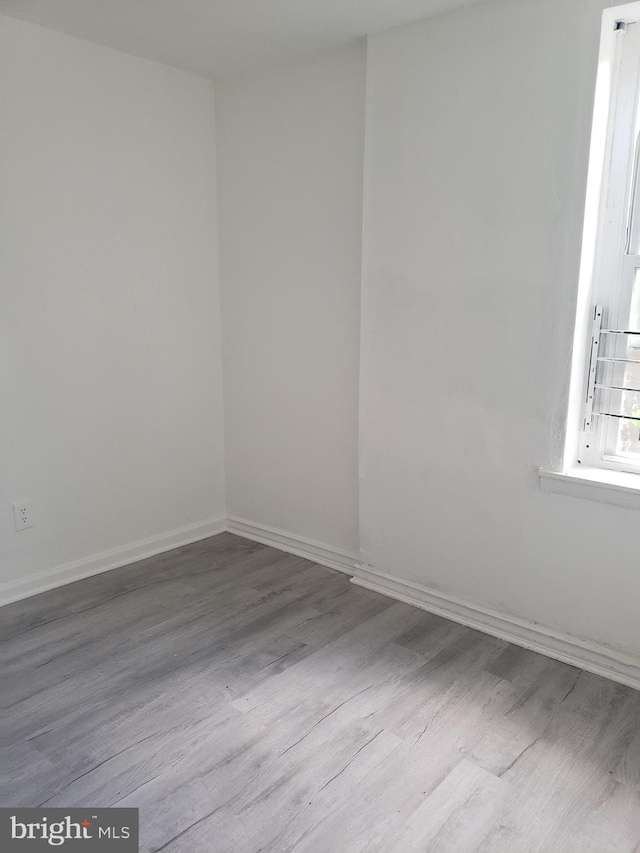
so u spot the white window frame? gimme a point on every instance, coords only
(606, 272)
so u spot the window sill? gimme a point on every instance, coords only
(596, 484)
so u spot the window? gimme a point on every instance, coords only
(604, 422)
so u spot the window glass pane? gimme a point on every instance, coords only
(629, 432)
(634, 207)
(634, 236)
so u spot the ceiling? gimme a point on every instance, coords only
(219, 38)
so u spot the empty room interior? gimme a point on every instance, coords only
(320, 406)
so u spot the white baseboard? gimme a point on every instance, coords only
(297, 545)
(590, 656)
(598, 659)
(113, 559)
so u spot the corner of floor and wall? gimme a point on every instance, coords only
(301, 329)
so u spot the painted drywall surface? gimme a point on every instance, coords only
(477, 142)
(110, 304)
(290, 153)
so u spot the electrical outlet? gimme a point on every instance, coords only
(22, 515)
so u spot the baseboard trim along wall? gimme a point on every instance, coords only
(113, 559)
(589, 656)
(592, 657)
(298, 545)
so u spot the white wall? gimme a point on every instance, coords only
(290, 153)
(476, 159)
(477, 141)
(113, 400)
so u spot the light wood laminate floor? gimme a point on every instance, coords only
(247, 700)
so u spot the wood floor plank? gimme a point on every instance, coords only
(248, 700)
(454, 815)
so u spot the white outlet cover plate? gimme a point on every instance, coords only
(22, 515)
